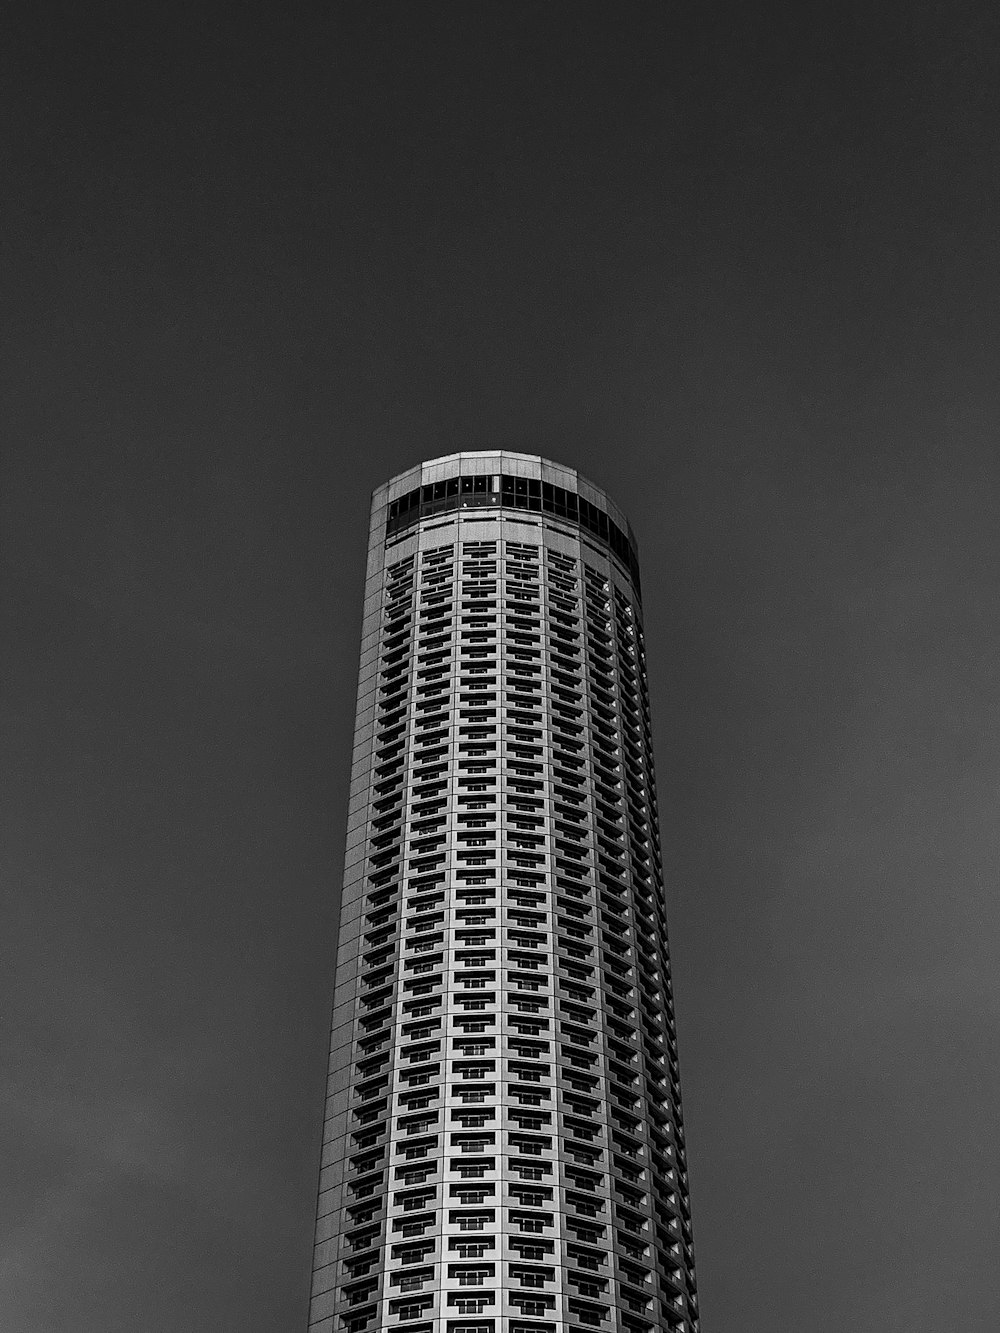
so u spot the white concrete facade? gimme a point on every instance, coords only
(503, 1144)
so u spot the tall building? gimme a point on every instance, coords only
(503, 1147)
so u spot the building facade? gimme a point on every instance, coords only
(503, 1146)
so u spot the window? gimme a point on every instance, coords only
(474, 1277)
(418, 1103)
(410, 1310)
(415, 1175)
(528, 1306)
(474, 1120)
(470, 1304)
(412, 1254)
(471, 1249)
(537, 1252)
(591, 1289)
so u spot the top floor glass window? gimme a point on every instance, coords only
(511, 492)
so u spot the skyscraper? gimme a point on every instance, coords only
(503, 1147)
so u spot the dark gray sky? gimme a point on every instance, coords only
(740, 267)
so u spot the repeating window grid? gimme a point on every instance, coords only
(478, 803)
(365, 1174)
(629, 661)
(520, 609)
(572, 1149)
(636, 1197)
(527, 799)
(431, 587)
(573, 906)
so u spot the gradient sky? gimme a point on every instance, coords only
(741, 266)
